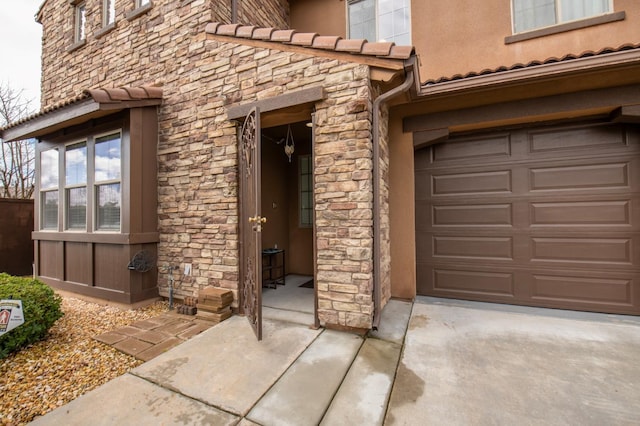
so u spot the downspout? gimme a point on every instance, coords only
(377, 252)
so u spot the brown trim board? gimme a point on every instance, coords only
(590, 102)
(303, 96)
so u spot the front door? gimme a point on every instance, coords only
(251, 220)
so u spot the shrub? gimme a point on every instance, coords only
(40, 307)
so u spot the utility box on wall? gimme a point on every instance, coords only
(16, 245)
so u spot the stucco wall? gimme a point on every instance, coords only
(456, 37)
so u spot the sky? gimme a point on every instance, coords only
(20, 39)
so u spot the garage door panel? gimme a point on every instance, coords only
(477, 215)
(581, 213)
(473, 247)
(583, 290)
(492, 147)
(542, 217)
(475, 282)
(582, 250)
(460, 281)
(592, 176)
(472, 183)
(572, 138)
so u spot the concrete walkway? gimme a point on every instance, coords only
(461, 363)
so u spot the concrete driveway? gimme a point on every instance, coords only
(467, 363)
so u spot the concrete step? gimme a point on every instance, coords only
(363, 395)
(303, 393)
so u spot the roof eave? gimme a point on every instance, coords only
(540, 72)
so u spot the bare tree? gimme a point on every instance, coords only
(17, 159)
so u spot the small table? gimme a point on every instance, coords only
(273, 271)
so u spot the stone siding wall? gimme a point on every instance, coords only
(153, 47)
(385, 239)
(197, 150)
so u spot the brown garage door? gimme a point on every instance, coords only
(545, 216)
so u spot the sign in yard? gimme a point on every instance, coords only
(10, 315)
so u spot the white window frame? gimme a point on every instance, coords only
(348, 3)
(108, 12)
(558, 14)
(80, 22)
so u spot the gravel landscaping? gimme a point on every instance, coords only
(68, 363)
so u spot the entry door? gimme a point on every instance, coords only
(251, 220)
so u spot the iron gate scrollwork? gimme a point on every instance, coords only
(250, 175)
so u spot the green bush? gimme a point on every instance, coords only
(40, 307)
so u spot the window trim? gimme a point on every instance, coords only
(302, 158)
(89, 138)
(96, 184)
(377, 20)
(64, 197)
(566, 26)
(139, 9)
(79, 22)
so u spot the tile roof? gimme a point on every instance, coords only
(531, 64)
(101, 96)
(384, 50)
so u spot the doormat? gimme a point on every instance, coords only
(308, 284)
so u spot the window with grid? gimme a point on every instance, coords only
(306, 191)
(76, 186)
(107, 189)
(380, 20)
(532, 14)
(80, 22)
(49, 189)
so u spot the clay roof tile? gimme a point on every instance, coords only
(283, 36)
(303, 39)
(380, 48)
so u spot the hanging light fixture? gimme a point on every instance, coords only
(289, 144)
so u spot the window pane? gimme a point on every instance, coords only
(49, 169)
(362, 20)
(76, 164)
(108, 206)
(81, 20)
(107, 161)
(109, 11)
(530, 14)
(77, 208)
(394, 21)
(577, 9)
(49, 209)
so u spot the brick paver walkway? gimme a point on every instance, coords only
(149, 338)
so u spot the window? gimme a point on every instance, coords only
(49, 189)
(108, 12)
(107, 182)
(76, 186)
(140, 3)
(80, 22)
(380, 20)
(92, 185)
(306, 191)
(532, 14)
